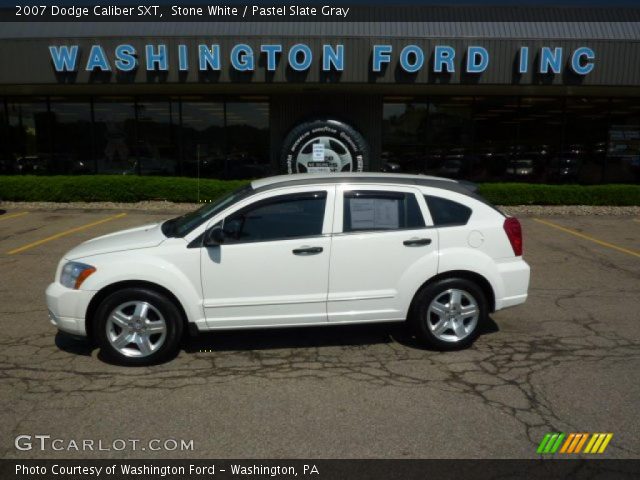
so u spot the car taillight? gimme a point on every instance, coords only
(514, 234)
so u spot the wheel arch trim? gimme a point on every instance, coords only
(107, 290)
(470, 275)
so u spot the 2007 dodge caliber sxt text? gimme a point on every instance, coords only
(298, 250)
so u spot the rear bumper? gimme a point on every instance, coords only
(67, 308)
(514, 275)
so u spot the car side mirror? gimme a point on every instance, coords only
(214, 237)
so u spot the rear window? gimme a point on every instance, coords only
(368, 210)
(447, 212)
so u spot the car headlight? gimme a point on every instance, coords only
(74, 273)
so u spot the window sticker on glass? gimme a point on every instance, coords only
(374, 213)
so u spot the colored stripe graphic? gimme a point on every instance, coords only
(556, 445)
(606, 441)
(598, 443)
(543, 443)
(567, 443)
(550, 443)
(555, 442)
(581, 442)
(577, 442)
(594, 437)
(552, 440)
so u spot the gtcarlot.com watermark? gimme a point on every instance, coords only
(43, 443)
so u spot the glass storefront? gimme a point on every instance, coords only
(247, 134)
(126, 135)
(72, 143)
(227, 140)
(28, 141)
(115, 135)
(623, 150)
(157, 143)
(501, 138)
(203, 137)
(483, 138)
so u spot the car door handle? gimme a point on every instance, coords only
(307, 251)
(417, 242)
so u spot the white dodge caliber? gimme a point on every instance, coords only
(297, 250)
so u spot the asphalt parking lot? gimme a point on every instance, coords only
(566, 361)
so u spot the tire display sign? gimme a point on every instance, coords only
(324, 146)
(318, 163)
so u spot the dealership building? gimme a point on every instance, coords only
(541, 95)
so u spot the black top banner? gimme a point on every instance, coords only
(304, 12)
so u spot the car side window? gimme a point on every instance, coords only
(366, 210)
(446, 212)
(278, 218)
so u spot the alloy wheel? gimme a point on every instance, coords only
(136, 329)
(453, 315)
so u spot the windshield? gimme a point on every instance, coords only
(180, 226)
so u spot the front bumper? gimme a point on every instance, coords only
(68, 308)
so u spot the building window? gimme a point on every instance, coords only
(585, 142)
(115, 134)
(450, 124)
(6, 162)
(623, 154)
(225, 140)
(72, 137)
(203, 138)
(540, 139)
(505, 138)
(156, 142)
(404, 127)
(127, 135)
(28, 142)
(495, 122)
(450, 138)
(247, 133)
(433, 136)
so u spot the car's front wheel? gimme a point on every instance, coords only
(138, 326)
(447, 314)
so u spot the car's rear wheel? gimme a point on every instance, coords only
(138, 326)
(447, 314)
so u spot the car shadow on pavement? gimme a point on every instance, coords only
(310, 337)
(291, 337)
(77, 346)
(281, 338)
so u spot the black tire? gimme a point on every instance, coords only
(172, 316)
(342, 142)
(419, 317)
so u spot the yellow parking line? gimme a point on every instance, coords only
(12, 215)
(63, 234)
(636, 220)
(588, 237)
